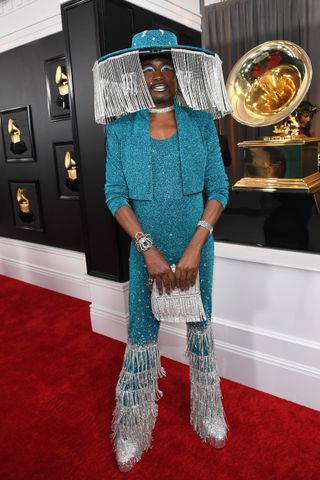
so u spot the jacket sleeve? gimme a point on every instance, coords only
(116, 189)
(216, 180)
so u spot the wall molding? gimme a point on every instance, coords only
(10, 6)
(186, 12)
(277, 362)
(32, 32)
(28, 20)
(63, 271)
(24, 21)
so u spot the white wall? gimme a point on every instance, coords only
(22, 21)
(267, 318)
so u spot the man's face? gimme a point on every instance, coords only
(161, 79)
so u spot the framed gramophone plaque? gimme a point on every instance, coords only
(57, 88)
(17, 137)
(66, 170)
(26, 204)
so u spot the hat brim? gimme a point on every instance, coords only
(150, 51)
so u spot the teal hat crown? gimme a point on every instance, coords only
(154, 39)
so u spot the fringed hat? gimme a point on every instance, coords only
(120, 87)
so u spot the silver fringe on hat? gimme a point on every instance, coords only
(207, 415)
(200, 81)
(136, 395)
(120, 87)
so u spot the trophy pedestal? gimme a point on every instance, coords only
(281, 165)
(277, 203)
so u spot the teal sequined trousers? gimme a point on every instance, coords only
(171, 219)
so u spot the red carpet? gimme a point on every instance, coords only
(57, 397)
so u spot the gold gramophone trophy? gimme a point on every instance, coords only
(265, 86)
(71, 168)
(17, 146)
(61, 80)
(25, 213)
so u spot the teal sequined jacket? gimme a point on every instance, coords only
(129, 167)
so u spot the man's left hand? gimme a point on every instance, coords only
(187, 268)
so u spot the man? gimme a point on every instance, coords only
(160, 158)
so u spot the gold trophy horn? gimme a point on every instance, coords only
(70, 166)
(14, 131)
(265, 86)
(61, 80)
(268, 83)
(24, 204)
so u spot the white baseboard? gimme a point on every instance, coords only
(283, 366)
(63, 271)
(276, 362)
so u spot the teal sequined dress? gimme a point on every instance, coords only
(171, 219)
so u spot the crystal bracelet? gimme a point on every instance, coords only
(143, 241)
(208, 226)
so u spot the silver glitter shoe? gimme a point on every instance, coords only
(215, 431)
(127, 454)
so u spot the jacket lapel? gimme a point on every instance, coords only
(137, 158)
(192, 151)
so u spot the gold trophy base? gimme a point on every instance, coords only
(309, 184)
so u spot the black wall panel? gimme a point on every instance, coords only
(93, 28)
(23, 82)
(99, 228)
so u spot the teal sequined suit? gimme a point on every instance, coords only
(168, 202)
(171, 218)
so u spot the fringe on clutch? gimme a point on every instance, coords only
(179, 306)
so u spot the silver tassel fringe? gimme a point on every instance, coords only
(207, 415)
(179, 306)
(200, 80)
(136, 395)
(119, 87)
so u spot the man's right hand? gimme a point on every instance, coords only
(159, 270)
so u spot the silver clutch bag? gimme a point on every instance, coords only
(179, 306)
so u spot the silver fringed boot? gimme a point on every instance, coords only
(207, 415)
(136, 408)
